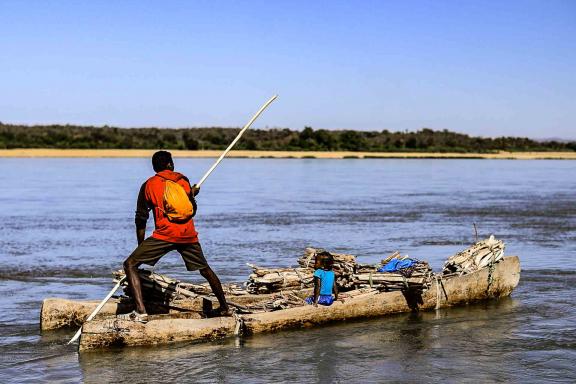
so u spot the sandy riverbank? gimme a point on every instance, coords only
(123, 153)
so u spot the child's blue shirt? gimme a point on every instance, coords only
(326, 281)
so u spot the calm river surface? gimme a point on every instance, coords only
(66, 224)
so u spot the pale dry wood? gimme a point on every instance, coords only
(475, 257)
(389, 277)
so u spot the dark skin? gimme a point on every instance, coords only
(324, 263)
(131, 269)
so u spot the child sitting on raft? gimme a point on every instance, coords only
(324, 281)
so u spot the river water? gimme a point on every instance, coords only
(65, 224)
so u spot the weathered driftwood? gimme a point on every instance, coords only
(416, 277)
(344, 265)
(390, 278)
(341, 260)
(114, 332)
(164, 287)
(60, 313)
(483, 284)
(268, 280)
(349, 274)
(476, 257)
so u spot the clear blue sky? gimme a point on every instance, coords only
(481, 67)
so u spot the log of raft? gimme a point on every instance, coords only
(485, 283)
(265, 280)
(162, 295)
(62, 313)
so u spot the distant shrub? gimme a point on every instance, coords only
(424, 140)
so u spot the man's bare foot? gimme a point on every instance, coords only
(221, 312)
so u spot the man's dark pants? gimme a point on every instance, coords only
(151, 250)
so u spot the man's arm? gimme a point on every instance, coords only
(142, 214)
(193, 201)
(140, 235)
(194, 190)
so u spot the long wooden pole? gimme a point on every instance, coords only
(98, 308)
(198, 184)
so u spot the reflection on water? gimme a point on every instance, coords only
(73, 228)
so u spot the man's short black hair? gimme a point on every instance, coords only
(160, 160)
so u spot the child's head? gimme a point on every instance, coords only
(324, 260)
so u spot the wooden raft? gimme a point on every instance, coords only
(497, 281)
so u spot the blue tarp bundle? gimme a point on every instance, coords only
(396, 264)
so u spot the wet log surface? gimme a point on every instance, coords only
(61, 313)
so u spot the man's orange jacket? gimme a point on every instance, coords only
(151, 197)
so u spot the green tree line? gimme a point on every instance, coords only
(71, 136)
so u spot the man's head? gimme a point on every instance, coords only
(162, 160)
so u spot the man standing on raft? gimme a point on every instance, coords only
(171, 198)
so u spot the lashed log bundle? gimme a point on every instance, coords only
(266, 280)
(481, 254)
(485, 283)
(344, 265)
(60, 313)
(162, 287)
(417, 277)
(391, 281)
(349, 275)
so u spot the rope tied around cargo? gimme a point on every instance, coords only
(490, 273)
(439, 290)
(239, 328)
(406, 286)
(437, 278)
